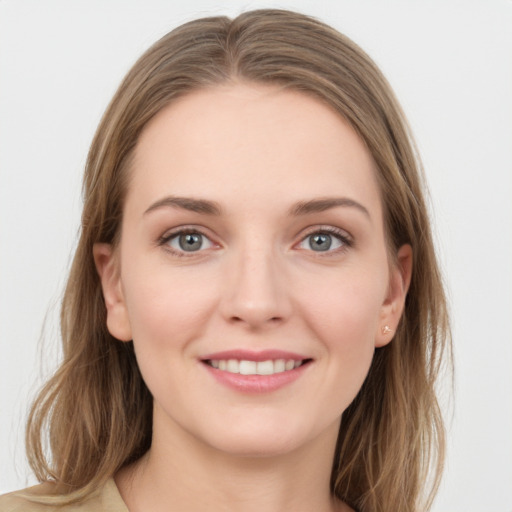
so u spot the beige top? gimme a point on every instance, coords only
(107, 499)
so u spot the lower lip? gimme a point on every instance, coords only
(256, 383)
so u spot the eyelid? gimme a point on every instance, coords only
(342, 235)
(183, 230)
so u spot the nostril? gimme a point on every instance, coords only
(273, 319)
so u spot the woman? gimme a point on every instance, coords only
(254, 319)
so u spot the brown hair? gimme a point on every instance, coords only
(96, 408)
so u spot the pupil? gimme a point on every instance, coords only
(190, 242)
(320, 242)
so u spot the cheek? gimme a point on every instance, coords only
(167, 308)
(167, 313)
(344, 315)
(346, 308)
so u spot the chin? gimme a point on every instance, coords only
(261, 445)
(270, 439)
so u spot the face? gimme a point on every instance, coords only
(252, 271)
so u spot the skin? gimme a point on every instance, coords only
(256, 283)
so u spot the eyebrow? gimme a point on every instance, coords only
(204, 206)
(187, 203)
(321, 205)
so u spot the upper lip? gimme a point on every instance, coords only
(250, 355)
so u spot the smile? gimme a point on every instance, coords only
(247, 367)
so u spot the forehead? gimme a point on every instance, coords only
(251, 141)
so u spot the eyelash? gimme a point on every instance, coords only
(167, 237)
(341, 235)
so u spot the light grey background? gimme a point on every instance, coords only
(450, 63)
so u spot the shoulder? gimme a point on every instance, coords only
(21, 500)
(107, 499)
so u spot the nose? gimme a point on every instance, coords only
(256, 294)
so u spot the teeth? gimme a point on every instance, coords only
(264, 368)
(233, 366)
(279, 365)
(245, 367)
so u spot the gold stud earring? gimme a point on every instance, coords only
(386, 330)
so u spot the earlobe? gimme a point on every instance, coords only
(107, 266)
(393, 306)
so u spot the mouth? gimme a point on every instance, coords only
(256, 372)
(252, 367)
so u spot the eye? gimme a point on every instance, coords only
(188, 241)
(325, 241)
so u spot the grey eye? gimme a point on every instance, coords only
(320, 242)
(190, 242)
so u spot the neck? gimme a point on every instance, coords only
(181, 473)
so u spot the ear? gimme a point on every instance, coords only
(393, 305)
(107, 265)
